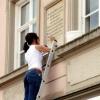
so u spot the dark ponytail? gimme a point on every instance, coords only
(26, 47)
(30, 38)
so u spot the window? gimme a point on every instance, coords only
(25, 21)
(83, 16)
(91, 14)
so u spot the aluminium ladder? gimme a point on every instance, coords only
(47, 67)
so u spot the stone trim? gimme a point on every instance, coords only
(60, 52)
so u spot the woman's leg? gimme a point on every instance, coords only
(34, 84)
(32, 92)
(26, 87)
(38, 84)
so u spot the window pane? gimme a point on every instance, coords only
(34, 8)
(22, 61)
(25, 14)
(92, 22)
(34, 28)
(23, 33)
(91, 5)
(22, 41)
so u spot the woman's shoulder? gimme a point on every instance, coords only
(34, 47)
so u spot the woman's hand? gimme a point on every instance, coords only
(51, 38)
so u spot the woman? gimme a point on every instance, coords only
(33, 55)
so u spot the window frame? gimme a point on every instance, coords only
(84, 16)
(71, 35)
(19, 28)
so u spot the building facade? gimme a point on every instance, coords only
(75, 71)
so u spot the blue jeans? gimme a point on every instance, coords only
(32, 83)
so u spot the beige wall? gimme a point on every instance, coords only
(7, 23)
(1, 94)
(84, 65)
(14, 90)
(3, 16)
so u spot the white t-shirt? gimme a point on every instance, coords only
(34, 58)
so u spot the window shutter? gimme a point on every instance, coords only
(55, 22)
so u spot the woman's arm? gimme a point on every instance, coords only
(42, 48)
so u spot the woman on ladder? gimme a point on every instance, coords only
(33, 55)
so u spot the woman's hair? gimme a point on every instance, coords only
(30, 38)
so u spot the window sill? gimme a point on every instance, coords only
(77, 43)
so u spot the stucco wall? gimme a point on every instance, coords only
(1, 94)
(14, 90)
(83, 67)
(85, 64)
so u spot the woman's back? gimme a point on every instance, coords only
(34, 58)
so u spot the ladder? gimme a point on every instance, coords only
(47, 67)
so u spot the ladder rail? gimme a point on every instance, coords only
(48, 64)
